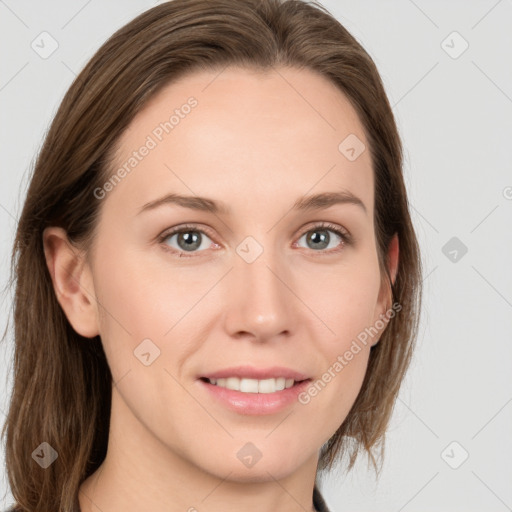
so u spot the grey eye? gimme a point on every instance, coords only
(188, 240)
(319, 238)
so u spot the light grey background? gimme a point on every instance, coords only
(455, 117)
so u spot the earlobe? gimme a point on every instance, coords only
(72, 281)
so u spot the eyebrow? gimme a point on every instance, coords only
(305, 203)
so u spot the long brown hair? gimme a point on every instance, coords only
(62, 383)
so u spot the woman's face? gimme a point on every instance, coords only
(253, 281)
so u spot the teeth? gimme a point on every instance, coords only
(253, 385)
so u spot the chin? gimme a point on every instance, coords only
(257, 474)
(264, 466)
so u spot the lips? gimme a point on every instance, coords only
(270, 397)
(250, 403)
(250, 372)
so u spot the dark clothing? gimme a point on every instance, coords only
(318, 503)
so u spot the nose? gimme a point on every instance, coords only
(261, 304)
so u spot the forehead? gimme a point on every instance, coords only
(278, 134)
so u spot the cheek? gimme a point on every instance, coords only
(332, 394)
(133, 298)
(343, 297)
(146, 308)
(126, 304)
(346, 303)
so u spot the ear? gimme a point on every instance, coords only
(392, 262)
(385, 296)
(72, 281)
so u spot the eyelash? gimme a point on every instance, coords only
(346, 237)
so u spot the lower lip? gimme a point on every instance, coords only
(255, 403)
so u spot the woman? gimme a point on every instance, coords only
(217, 279)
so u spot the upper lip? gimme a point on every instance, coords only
(250, 372)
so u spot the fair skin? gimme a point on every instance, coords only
(256, 144)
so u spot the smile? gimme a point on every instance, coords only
(253, 385)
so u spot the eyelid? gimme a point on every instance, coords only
(343, 233)
(330, 226)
